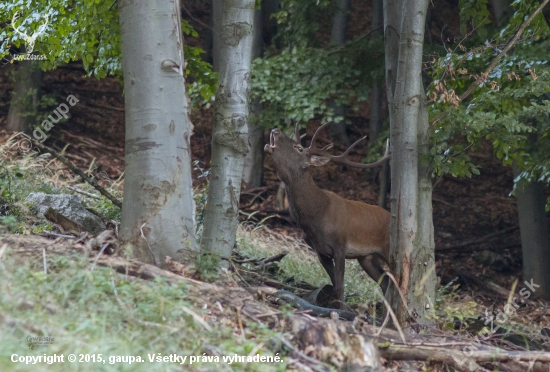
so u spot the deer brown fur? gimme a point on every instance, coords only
(336, 228)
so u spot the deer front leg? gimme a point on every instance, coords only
(328, 265)
(339, 268)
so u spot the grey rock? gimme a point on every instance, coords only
(65, 210)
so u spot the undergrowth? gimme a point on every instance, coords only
(102, 312)
(302, 264)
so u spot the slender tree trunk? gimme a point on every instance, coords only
(209, 37)
(533, 226)
(230, 128)
(158, 213)
(253, 173)
(25, 96)
(375, 122)
(412, 248)
(217, 10)
(338, 37)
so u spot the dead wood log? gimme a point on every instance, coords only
(449, 355)
(335, 342)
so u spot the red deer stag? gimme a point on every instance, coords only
(336, 228)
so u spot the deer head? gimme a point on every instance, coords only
(292, 158)
(29, 40)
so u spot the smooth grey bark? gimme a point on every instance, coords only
(230, 128)
(253, 172)
(25, 96)
(411, 244)
(338, 37)
(158, 212)
(533, 227)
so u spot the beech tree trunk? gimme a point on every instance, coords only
(375, 120)
(533, 226)
(253, 173)
(158, 212)
(230, 128)
(412, 242)
(25, 96)
(338, 37)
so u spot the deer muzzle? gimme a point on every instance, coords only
(268, 148)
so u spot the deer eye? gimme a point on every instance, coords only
(299, 148)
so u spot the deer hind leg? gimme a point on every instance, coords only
(373, 267)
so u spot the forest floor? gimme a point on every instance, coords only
(480, 272)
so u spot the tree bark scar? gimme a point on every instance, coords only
(232, 34)
(138, 145)
(172, 127)
(405, 270)
(413, 100)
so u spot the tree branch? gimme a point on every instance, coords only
(493, 64)
(77, 170)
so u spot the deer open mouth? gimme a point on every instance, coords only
(272, 144)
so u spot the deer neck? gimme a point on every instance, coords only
(306, 200)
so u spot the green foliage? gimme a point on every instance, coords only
(8, 224)
(74, 33)
(107, 208)
(511, 108)
(474, 12)
(451, 309)
(299, 82)
(207, 266)
(7, 187)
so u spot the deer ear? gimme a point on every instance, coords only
(318, 161)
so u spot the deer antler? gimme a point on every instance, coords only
(297, 132)
(343, 158)
(14, 18)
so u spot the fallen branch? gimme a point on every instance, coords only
(77, 170)
(478, 241)
(446, 354)
(302, 304)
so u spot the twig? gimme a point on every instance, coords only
(105, 107)
(479, 240)
(493, 64)
(99, 255)
(84, 192)
(45, 262)
(198, 318)
(50, 233)
(77, 170)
